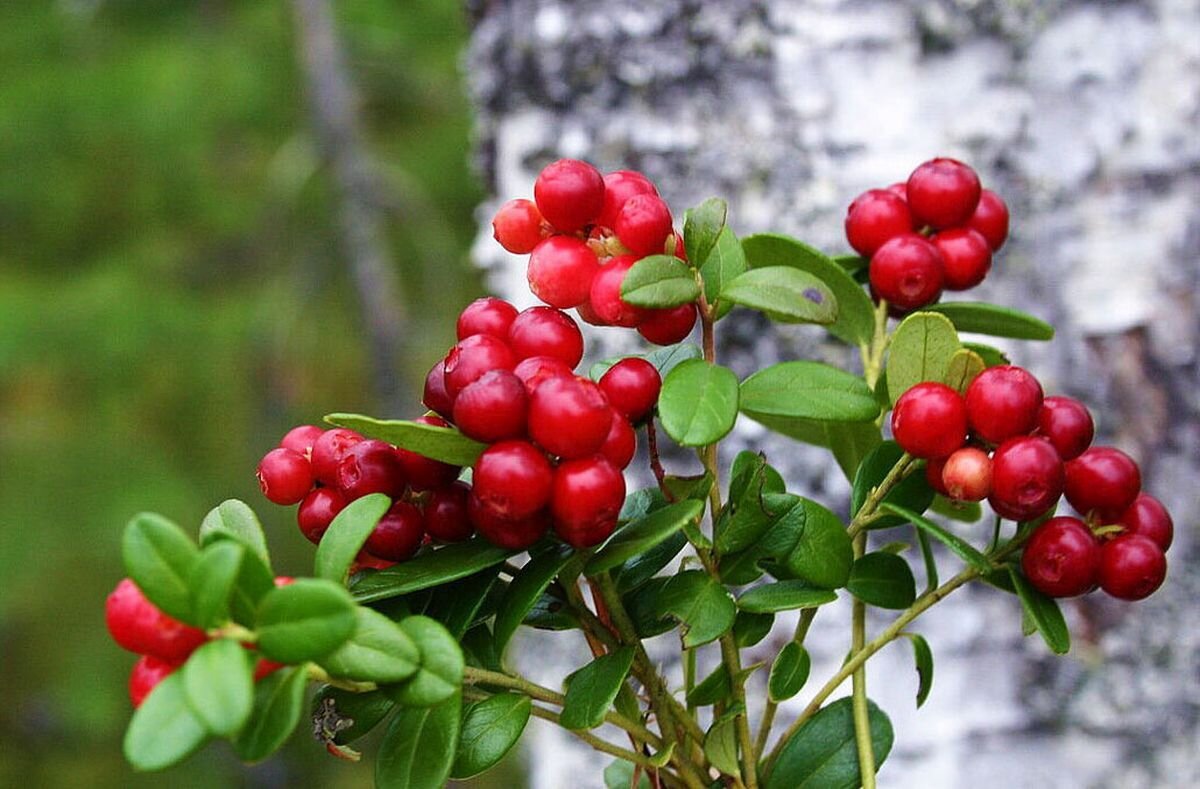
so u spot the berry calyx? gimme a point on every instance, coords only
(620, 445)
(138, 625)
(474, 356)
(605, 297)
(966, 257)
(560, 271)
(285, 476)
(398, 534)
(328, 451)
(518, 226)
(445, 514)
(588, 494)
(967, 475)
(370, 466)
(545, 331)
(942, 193)
(990, 219)
(1149, 518)
(632, 386)
(147, 672)
(488, 315)
(493, 408)
(669, 325)
(1003, 402)
(1062, 558)
(1027, 478)
(1104, 480)
(570, 194)
(1067, 424)
(512, 479)
(620, 186)
(906, 272)
(1132, 567)
(875, 217)
(317, 511)
(643, 224)
(301, 439)
(930, 420)
(569, 417)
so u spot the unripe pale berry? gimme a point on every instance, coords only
(967, 474)
(632, 386)
(570, 194)
(1103, 479)
(1067, 424)
(1062, 558)
(513, 479)
(669, 325)
(561, 270)
(875, 217)
(1027, 478)
(518, 226)
(488, 315)
(588, 494)
(966, 257)
(569, 417)
(930, 420)
(1003, 402)
(285, 476)
(1132, 567)
(474, 356)
(907, 272)
(990, 219)
(1149, 518)
(943, 193)
(545, 331)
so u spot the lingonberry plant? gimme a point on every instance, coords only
(506, 506)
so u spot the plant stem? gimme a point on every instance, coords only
(656, 466)
(768, 717)
(862, 723)
(733, 664)
(689, 678)
(868, 510)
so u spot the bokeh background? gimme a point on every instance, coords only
(219, 219)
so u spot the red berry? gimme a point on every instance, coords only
(643, 224)
(561, 270)
(632, 386)
(943, 193)
(317, 511)
(138, 625)
(474, 356)
(1003, 402)
(328, 451)
(669, 325)
(1103, 479)
(966, 257)
(1062, 558)
(1132, 567)
(605, 297)
(536, 369)
(967, 474)
(445, 516)
(513, 479)
(545, 331)
(907, 272)
(933, 474)
(398, 534)
(990, 219)
(424, 473)
(514, 534)
(147, 672)
(301, 439)
(875, 217)
(1067, 424)
(1149, 518)
(621, 444)
(488, 315)
(930, 420)
(570, 194)
(899, 189)
(365, 561)
(435, 396)
(587, 314)
(569, 417)
(370, 466)
(264, 668)
(588, 494)
(285, 476)
(518, 226)
(619, 186)
(1027, 478)
(493, 408)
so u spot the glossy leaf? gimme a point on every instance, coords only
(378, 651)
(961, 548)
(592, 689)
(667, 358)
(440, 674)
(994, 320)
(789, 672)
(698, 403)
(619, 775)
(823, 754)
(964, 365)
(750, 628)
(964, 511)
(921, 349)
(333, 707)
(432, 568)
(883, 580)
(1043, 612)
(850, 442)
(278, 706)
(459, 604)
(234, 519)
(726, 262)
(855, 320)
(700, 603)
(808, 390)
(702, 226)
(164, 730)
(784, 596)
(659, 281)
(822, 555)
(524, 591)
(913, 492)
(641, 568)
(931, 571)
(646, 611)
(219, 686)
(712, 689)
(721, 743)
(784, 294)
(923, 656)
(420, 746)
(992, 357)
(347, 534)
(213, 578)
(550, 613)
(304, 620)
(440, 443)
(490, 729)
(643, 534)
(745, 525)
(159, 557)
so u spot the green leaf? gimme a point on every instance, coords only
(278, 705)
(823, 554)
(726, 262)
(619, 775)
(702, 226)
(964, 511)
(784, 294)
(808, 390)
(964, 365)
(304, 620)
(646, 611)
(164, 730)
(698, 403)
(359, 713)
(432, 568)
(479, 649)
(235, 520)
(912, 492)
(524, 591)
(490, 729)
(592, 689)
(749, 522)
(851, 263)
(347, 534)
(789, 672)
(420, 747)
(643, 534)
(254, 580)
(883, 580)
(721, 743)
(712, 689)
(992, 357)
(212, 581)
(750, 628)
(923, 656)
(218, 681)
(379, 651)
(700, 603)
(961, 548)
(664, 359)
(784, 596)
(439, 443)
(458, 604)
(850, 442)
(641, 568)
(1043, 612)
(441, 666)
(997, 321)
(659, 281)
(823, 753)
(550, 613)
(931, 571)
(921, 349)
(159, 557)
(856, 315)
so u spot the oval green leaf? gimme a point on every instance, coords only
(923, 656)
(964, 365)
(379, 651)
(698, 403)
(304, 620)
(883, 580)
(921, 349)
(490, 729)
(721, 743)
(808, 390)
(713, 688)
(432, 568)
(702, 605)
(823, 553)
(439, 443)
(159, 556)
(994, 320)
(213, 579)
(592, 689)
(784, 596)
(659, 281)
(1043, 612)
(823, 753)
(347, 534)
(278, 706)
(784, 294)
(164, 730)
(641, 535)
(789, 672)
(524, 591)
(235, 520)
(441, 667)
(702, 226)
(725, 263)
(420, 747)
(219, 684)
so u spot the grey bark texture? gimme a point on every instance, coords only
(1084, 116)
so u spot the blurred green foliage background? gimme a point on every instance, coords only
(173, 297)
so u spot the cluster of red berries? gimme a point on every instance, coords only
(162, 643)
(583, 231)
(558, 444)
(1040, 449)
(935, 232)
